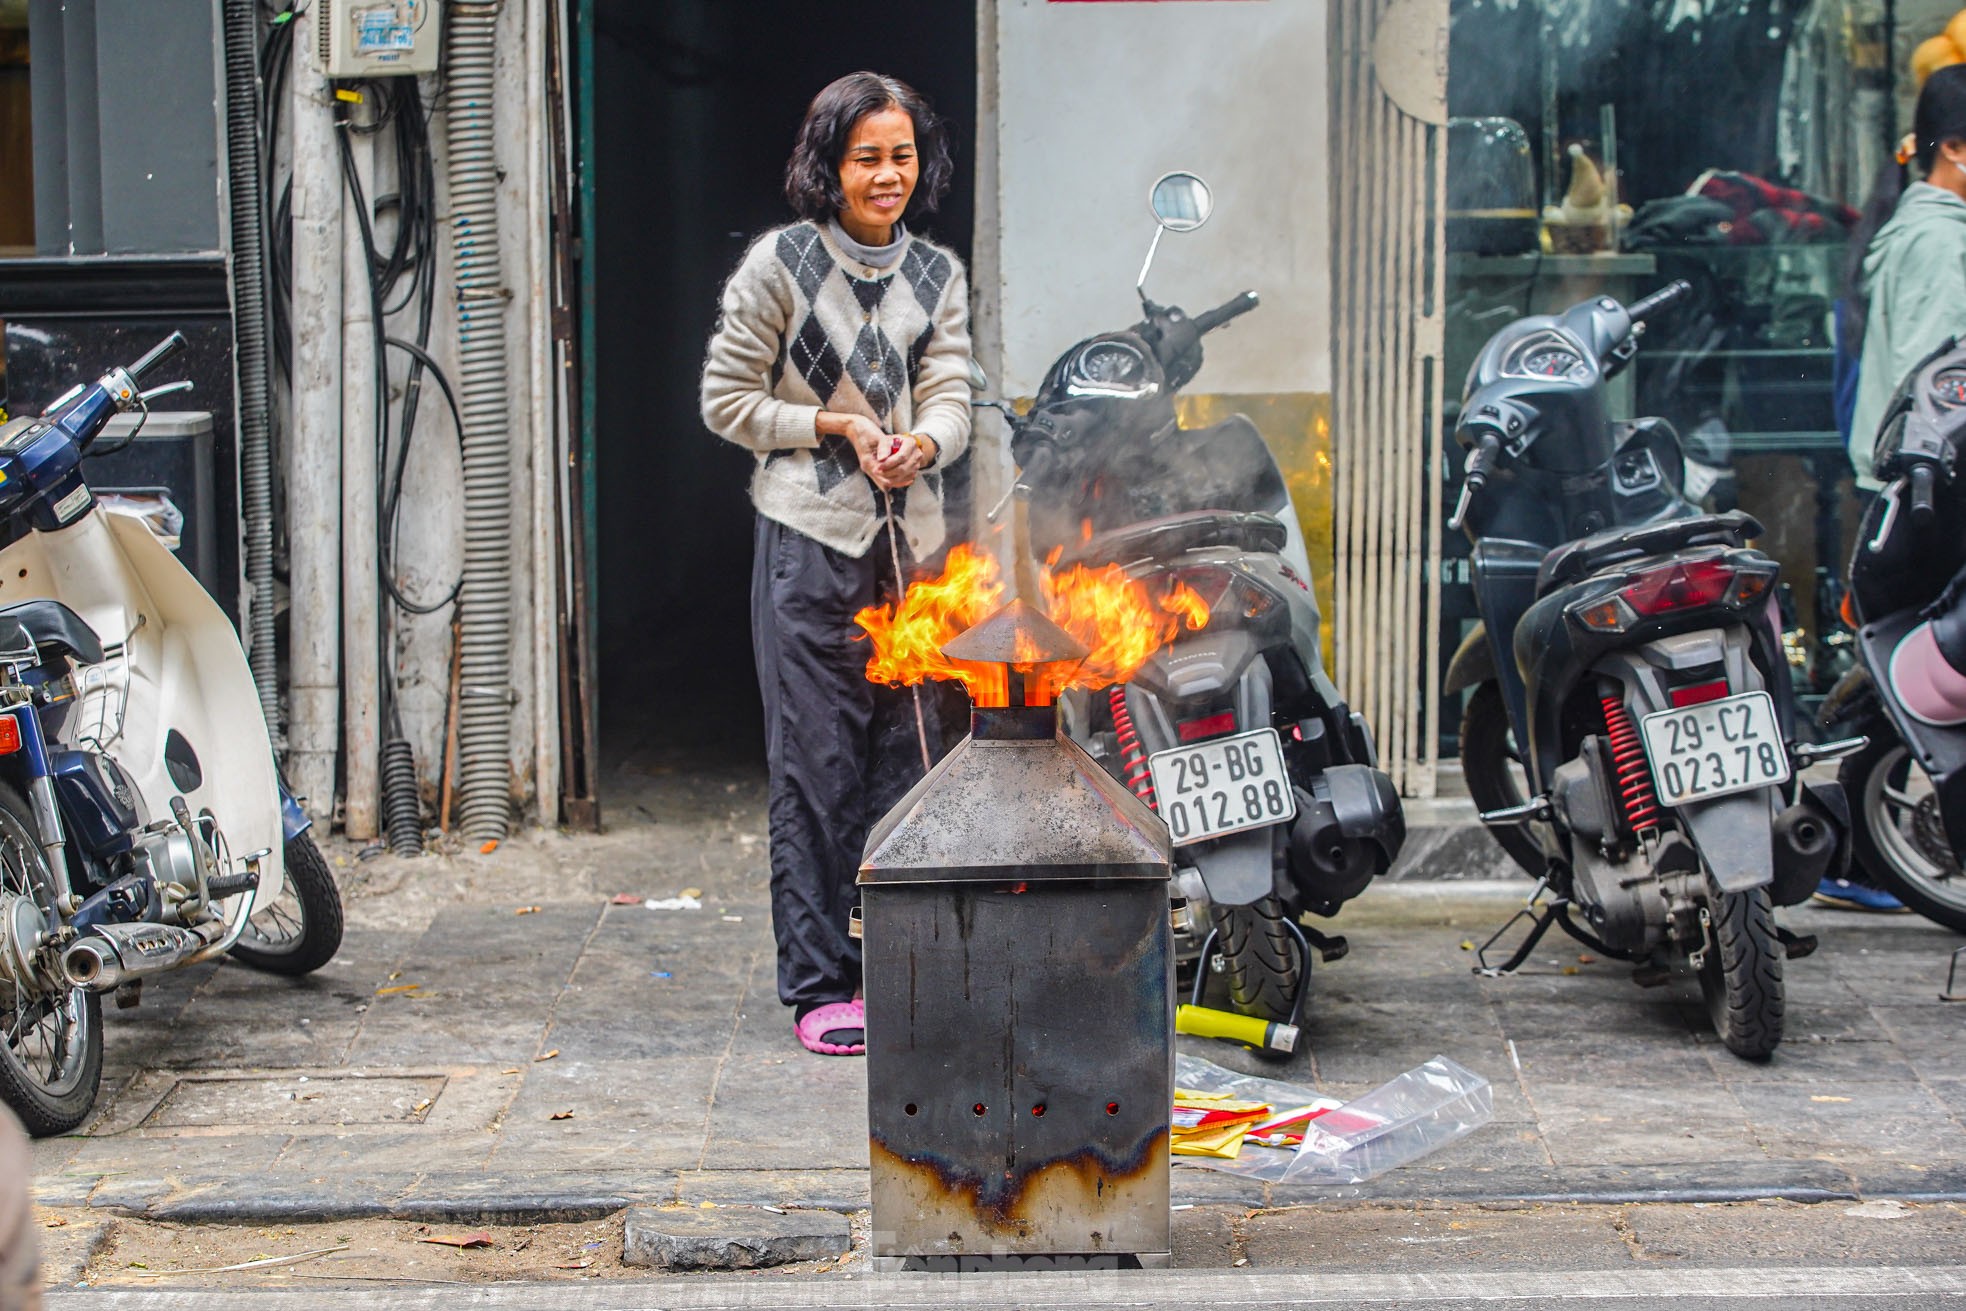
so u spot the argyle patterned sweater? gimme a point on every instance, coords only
(806, 328)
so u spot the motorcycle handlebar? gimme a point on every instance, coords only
(162, 351)
(1481, 463)
(1922, 478)
(1209, 320)
(1641, 310)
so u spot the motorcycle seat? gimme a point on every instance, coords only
(47, 627)
(1163, 538)
(1587, 555)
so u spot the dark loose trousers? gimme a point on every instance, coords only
(841, 750)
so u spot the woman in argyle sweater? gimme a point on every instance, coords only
(841, 361)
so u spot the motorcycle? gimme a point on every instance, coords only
(1629, 660)
(1268, 782)
(1907, 598)
(134, 761)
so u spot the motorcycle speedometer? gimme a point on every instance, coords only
(1109, 368)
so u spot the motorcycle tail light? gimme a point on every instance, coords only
(1228, 590)
(1681, 585)
(1194, 730)
(9, 735)
(1608, 614)
(1698, 693)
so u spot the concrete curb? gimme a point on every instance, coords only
(483, 1200)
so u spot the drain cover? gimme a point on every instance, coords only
(297, 1099)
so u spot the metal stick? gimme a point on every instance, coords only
(900, 591)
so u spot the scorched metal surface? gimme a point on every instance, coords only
(1018, 969)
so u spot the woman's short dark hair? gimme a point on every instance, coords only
(812, 178)
(1941, 113)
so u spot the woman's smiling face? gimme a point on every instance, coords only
(878, 174)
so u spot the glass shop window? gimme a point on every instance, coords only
(1611, 146)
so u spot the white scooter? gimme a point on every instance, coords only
(134, 763)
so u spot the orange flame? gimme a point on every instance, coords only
(1118, 618)
(908, 638)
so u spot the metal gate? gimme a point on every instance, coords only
(1388, 181)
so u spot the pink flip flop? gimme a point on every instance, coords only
(812, 1030)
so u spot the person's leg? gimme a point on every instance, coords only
(818, 703)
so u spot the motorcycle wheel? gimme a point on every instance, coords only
(300, 931)
(1261, 957)
(50, 1044)
(1741, 975)
(1896, 832)
(1496, 779)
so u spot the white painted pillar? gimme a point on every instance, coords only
(360, 590)
(314, 440)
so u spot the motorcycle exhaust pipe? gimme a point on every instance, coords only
(111, 955)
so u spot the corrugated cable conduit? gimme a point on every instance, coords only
(485, 700)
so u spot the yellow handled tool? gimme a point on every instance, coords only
(1207, 1022)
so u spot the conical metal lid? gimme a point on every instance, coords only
(1018, 634)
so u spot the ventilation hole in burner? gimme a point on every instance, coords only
(1112, 1108)
(979, 1108)
(1038, 1110)
(911, 1108)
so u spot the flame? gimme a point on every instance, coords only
(1121, 620)
(908, 638)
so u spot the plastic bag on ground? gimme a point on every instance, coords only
(1395, 1124)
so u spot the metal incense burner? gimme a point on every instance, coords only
(1019, 986)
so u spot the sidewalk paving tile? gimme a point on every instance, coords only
(1617, 1124)
(1824, 1061)
(625, 1116)
(327, 1157)
(1857, 1124)
(843, 1188)
(760, 1100)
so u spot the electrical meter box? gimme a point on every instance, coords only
(377, 38)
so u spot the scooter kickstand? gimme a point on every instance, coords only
(1541, 916)
(1952, 978)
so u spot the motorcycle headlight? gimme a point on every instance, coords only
(1109, 368)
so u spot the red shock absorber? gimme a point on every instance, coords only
(1133, 756)
(1634, 775)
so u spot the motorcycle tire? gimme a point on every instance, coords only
(1492, 767)
(51, 1068)
(1260, 956)
(301, 931)
(1741, 975)
(1905, 854)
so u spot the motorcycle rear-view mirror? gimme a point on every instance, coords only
(978, 380)
(1181, 203)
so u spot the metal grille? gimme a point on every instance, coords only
(1389, 170)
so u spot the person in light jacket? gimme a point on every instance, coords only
(1913, 283)
(841, 361)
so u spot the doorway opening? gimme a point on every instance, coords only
(696, 105)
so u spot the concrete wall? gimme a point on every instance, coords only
(431, 533)
(1096, 100)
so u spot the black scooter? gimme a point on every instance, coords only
(1907, 592)
(1631, 646)
(1268, 782)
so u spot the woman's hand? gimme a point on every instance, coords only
(890, 460)
(903, 458)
